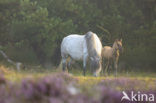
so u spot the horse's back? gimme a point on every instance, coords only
(73, 46)
(107, 52)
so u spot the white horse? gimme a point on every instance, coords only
(111, 54)
(82, 47)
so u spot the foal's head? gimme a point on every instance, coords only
(118, 45)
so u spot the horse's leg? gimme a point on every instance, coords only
(84, 64)
(63, 63)
(69, 64)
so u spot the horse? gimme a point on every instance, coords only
(84, 48)
(111, 54)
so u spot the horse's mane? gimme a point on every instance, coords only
(90, 41)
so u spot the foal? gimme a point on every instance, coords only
(111, 54)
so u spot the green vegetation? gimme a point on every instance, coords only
(31, 30)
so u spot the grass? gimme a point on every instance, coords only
(15, 75)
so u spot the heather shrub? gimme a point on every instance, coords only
(63, 88)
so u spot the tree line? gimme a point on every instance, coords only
(31, 30)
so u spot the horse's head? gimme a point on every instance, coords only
(95, 64)
(118, 45)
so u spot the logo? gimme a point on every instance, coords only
(125, 96)
(137, 96)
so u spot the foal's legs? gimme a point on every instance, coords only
(116, 66)
(103, 66)
(107, 66)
